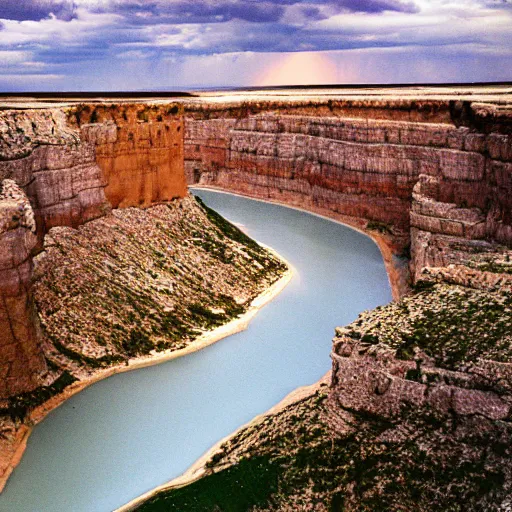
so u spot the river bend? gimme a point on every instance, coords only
(135, 431)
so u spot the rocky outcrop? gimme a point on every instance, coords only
(21, 357)
(74, 164)
(139, 150)
(47, 158)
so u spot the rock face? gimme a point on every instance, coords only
(72, 165)
(140, 152)
(366, 167)
(21, 357)
(47, 158)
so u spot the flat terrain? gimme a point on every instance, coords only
(493, 93)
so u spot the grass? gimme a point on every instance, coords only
(452, 324)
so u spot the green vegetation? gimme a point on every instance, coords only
(452, 324)
(21, 404)
(381, 227)
(236, 489)
(83, 360)
(205, 317)
(228, 229)
(137, 344)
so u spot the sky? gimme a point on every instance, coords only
(80, 45)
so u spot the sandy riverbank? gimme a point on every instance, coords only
(208, 338)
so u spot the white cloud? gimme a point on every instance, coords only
(10, 57)
(55, 31)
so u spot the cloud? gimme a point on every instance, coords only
(221, 11)
(36, 10)
(184, 11)
(500, 4)
(115, 37)
(374, 6)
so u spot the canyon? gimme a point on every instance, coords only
(426, 172)
(359, 161)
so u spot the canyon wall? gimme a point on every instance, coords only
(21, 358)
(67, 166)
(433, 176)
(363, 169)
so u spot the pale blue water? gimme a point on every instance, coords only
(134, 431)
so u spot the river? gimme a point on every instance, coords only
(134, 431)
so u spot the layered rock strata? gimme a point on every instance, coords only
(365, 168)
(74, 164)
(58, 172)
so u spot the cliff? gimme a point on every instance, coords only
(360, 161)
(72, 164)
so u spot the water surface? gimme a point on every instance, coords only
(134, 431)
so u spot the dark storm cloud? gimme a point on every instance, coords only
(200, 11)
(255, 11)
(35, 10)
(375, 6)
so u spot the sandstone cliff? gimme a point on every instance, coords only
(351, 161)
(139, 149)
(74, 164)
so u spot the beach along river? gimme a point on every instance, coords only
(134, 431)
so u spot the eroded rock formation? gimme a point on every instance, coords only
(139, 150)
(72, 165)
(364, 167)
(21, 356)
